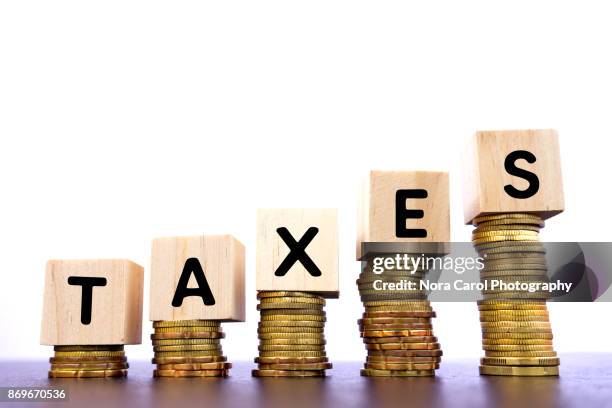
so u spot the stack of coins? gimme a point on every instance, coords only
(516, 332)
(291, 335)
(189, 348)
(88, 362)
(396, 326)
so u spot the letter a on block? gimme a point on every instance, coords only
(96, 301)
(400, 210)
(198, 277)
(297, 250)
(513, 171)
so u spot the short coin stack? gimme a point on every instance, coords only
(291, 335)
(396, 326)
(94, 361)
(516, 332)
(189, 348)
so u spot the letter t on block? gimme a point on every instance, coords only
(403, 211)
(198, 277)
(89, 302)
(513, 171)
(297, 250)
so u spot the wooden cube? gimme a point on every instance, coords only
(513, 171)
(402, 208)
(198, 277)
(297, 249)
(96, 301)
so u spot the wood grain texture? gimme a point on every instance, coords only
(323, 250)
(116, 312)
(485, 175)
(221, 258)
(377, 208)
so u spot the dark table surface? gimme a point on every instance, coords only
(585, 381)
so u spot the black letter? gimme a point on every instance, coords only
(87, 284)
(203, 290)
(297, 252)
(402, 213)
(510, 166)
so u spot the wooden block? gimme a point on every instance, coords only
(199, 277)
(404, 208)
(513, 171)
(297, 249)
(96, 301)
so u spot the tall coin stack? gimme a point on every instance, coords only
(396, 326)
(88, 361)
(189, 348)
(291, 335)
(516, 332)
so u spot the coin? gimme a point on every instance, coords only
(288, 373)
(395, 333)
(273, 324)
(396, 373)
(401, 339)
(198, 353)
(282, 294)
(396, 314)
(520, 353)
(88, 348)
(516, 341)
(294, 367)
(290, 329)
(183, 342)
(294, 354)
(395, 326)
(188, 335)
(89, 366)
(288, 305)
(517, 347)
(191, 347)
(402, 366)
(402, 346)
(186, 323)
(405, 353)
(57, 360)
(188, 360)
(291, 299)
(188, 329)
(291, 347)
(190, 373)
(87, 354)
(519, 370)
(290, 360)
(520, 361)
(392, 320)
(319, 341)
(402, 360)
(86, 373)
(195, 366)
(286, 314)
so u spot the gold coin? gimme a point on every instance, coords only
(186, 323)
(395, 326)
(188, 360)
(507, 227)
(288, 305)
(483, 234)
(292, 317)
(277, 329)
(415, 304)
(512, 305)
(293, 341)
(512, 330)
(511, 274)
(404, 353)
(514, 324)
(188, 329)
(291, 347)
(520, 354)
(521, 361)
(291, 360)
(402, 339)
(296, 299)
(188, 335)
(189, 347)
(89, 366)
(272, 324)
(518, 370)
(517, 335)
(301, 314)
(81, 359)
(271, 294)
(198, 353)
(288, 373)
(87, 354)
(514, 314)
(516, 341)
(398, 315)
(396, 309)
(396, 333)
(184, 342)
(190, 373)
(402, 346)
(517, 347)
(289, 336)
(295, 354)
(497, 238)
(101, 347)
(514, 318)
(402, 366)
(535, 257)
(196, 366)
(294, 367)
(87, 373)
(368, 372)
(402, 360)
(507, 216)
(394, 320)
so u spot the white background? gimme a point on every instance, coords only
(121, 121)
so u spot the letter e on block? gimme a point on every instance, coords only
(297, 250)
(197, 277)
(402, 208)
(88, 302)
(513, 171)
